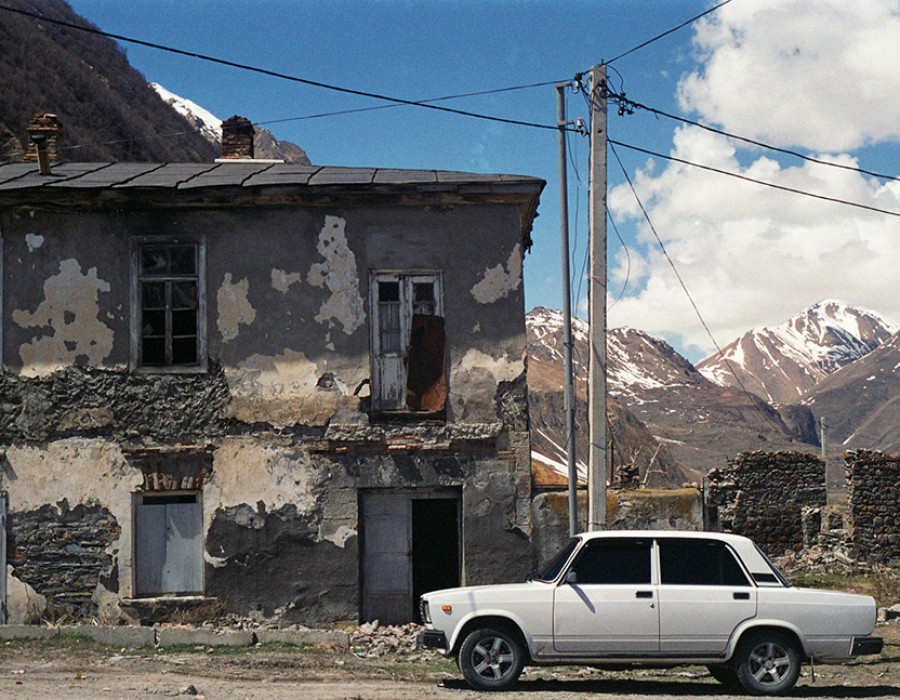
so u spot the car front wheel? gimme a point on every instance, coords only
(491, 659)
(767, 663)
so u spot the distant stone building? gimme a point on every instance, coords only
(286, 390)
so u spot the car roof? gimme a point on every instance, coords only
(660, 534)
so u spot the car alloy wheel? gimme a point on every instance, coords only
(768, 664)
(491, 659)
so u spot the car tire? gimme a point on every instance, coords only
(767, 663)
(491, 659)
(725, 675)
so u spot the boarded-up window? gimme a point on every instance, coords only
(408, 342)
(168, 548)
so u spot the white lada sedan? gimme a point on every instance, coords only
(651, 598)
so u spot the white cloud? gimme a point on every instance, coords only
(820, 75)
(752, 255)
(816, 75)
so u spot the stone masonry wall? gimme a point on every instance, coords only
(874, 499)
(762, 495)
(63, 553)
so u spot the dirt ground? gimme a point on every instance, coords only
(73, 669)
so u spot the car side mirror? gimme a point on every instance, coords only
(571, 577)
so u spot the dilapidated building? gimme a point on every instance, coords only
(296, 391)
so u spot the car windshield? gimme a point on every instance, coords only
(552, 571)
(778, 575)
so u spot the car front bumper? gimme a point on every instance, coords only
(432, 639)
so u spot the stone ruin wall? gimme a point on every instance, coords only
(873, 480)
(767, 496)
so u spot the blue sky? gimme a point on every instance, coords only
(816, 77)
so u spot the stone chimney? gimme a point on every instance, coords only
(45, 134)
(237, 139)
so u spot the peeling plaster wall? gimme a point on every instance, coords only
(283, 404)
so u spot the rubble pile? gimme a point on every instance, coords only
(373, 640)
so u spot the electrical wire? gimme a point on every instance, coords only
(288, 77)
(628, 106)
(668, 31)
(783, 188)
(753, 398)
(627, 259)
(392, 106)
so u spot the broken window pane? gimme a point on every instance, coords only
(154, 261)
(184, 295)
(183, 260)
(169, 305)
(423, 298)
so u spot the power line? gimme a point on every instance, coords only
(627, 106)
(753, 398)
(783, 188)
(669, 31)
(293, 78)
(392, 106)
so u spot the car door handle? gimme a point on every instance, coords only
(742, 596)
(644, 594)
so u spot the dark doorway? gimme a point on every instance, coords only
(435, 546)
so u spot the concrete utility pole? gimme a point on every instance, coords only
(597, 469)
(822, 427)
(569, 386)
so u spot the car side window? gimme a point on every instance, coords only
(698, 562)
(613, 562)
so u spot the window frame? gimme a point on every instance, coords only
(407, 279)
(138, 244)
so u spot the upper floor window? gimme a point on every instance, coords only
(168, 318)
(408, 343)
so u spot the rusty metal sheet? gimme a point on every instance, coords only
(426, 383)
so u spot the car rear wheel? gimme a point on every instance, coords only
(491, 659)
(767, 663)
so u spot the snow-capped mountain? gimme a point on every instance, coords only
(209, 125)
(666, 417)
(860, 403)
(782, 364)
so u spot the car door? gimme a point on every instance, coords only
(704, 593)
(606, 602)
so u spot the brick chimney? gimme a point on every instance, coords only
(45, 135)
(237, 139)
